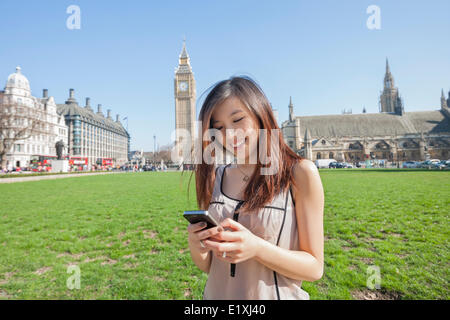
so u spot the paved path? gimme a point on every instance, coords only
(54, 176)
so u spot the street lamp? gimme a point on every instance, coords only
(154, 149)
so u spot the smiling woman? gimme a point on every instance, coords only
(270, 233)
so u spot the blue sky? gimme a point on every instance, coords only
(319, 52)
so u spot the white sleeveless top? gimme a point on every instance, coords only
(276, 223)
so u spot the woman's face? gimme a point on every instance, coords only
(233, 114)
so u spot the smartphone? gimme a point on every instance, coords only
(199, 216)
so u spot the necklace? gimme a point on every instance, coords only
(246, 177)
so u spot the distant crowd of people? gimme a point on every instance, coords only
(95, 167)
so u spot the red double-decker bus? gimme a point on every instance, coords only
(39, 163)
(78, 162)
(107, 162)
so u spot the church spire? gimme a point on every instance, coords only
(307, 153)
(291, 110)
(388, 79)
(443, 101)
(389, 99)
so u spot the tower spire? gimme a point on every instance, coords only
(389, 99)
(443, 101)
(184, 54)
(388, 78)
(184, 64)
(291, 109)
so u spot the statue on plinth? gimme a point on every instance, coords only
(59, 149)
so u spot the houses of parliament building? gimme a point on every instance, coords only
(391, 134)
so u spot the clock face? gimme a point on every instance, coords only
(183, 86)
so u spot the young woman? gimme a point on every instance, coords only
(270, 236)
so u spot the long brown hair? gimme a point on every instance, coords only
(260, 189)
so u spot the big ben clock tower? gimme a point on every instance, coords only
(184, 89)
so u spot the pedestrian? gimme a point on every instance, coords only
(270, 233)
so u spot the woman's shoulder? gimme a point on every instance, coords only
(304, 166)
(305, 172)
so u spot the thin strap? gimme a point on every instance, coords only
(284, 217)
(216, 170)
(278, 241)
(292, 195)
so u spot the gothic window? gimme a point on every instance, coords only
(354, 146)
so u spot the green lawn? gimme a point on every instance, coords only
(127, 235)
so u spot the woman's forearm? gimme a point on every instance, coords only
(202, 260)
(299, 265)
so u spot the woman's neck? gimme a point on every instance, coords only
(245, 168)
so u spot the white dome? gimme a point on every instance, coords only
(18, 80)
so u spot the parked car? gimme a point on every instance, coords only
(411, 164)
(430, 164)
(323, 163)
(340, 165)
(443, 164)
(332, 164)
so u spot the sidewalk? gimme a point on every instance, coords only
(55, 176)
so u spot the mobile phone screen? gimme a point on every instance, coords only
(200, 216)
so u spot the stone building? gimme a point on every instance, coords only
(392, 134)
(41, 144)
(92, 135)
(185, 96)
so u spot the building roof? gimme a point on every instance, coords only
(183, 66)
(372, 124)
(71, 109)
(18, 80)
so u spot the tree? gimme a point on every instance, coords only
(19, 122)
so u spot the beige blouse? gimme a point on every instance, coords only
(276, 223)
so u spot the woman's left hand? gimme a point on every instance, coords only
(240, 244)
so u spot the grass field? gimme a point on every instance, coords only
(126, 234)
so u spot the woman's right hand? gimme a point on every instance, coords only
(197, 234)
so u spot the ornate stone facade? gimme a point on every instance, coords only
(391, 134)
(86, 134)
(17, 96)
